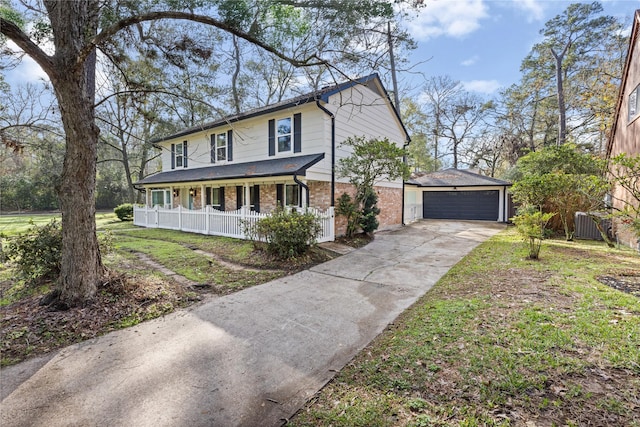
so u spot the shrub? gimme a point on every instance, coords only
(347, 207)
(37, 252)
(288, 234)
(368, 217)
(531, 225)
(124, 212)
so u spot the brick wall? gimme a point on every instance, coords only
(267, 197)
(389, 202)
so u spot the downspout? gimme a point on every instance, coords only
(404, 160)
(333, 153)
(303, 185)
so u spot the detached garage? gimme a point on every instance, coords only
(455, 194)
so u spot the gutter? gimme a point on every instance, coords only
(303, 185)
(333, 154)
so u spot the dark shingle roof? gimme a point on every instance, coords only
(318, 95)
(454, 178)
(273, 167)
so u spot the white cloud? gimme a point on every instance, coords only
(28, 71)
(482, 86)
(470, 61)
(533, 8)
(447, 18)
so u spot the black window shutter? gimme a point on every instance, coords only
(213, 148)
(230, 145)
(280, 194)
(173, 156)
(221, 198)
(184, 153)
(239, 191)
(272, 137)
(256, 197)
(208, 191)
(297, 133)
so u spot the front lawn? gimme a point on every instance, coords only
(134, 290)
(502, 341)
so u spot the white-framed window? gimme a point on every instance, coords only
(179, 155)
(219, 148)
(161, 197)
(634, 103)
(291, 195)
(284, 137)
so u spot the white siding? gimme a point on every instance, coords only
(359, 111)
(251, 139)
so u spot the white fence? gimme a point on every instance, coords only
(218, 223)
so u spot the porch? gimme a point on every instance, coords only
(214, 222)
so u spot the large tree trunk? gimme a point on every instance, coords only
(74, 83)
(81, 266)
(562, 109)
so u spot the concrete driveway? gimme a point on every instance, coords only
(252, 358)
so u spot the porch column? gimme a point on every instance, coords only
(203, 200)
(247, 196)
(147, 196)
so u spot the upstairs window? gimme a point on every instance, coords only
(285, 135)
(179, 155)
(221, 147)
(283, 129)
(634, 103)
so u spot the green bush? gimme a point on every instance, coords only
(36, 253)
(124, 212)
(288, 234)
(349, 209)
(531, 225)
(368, 217)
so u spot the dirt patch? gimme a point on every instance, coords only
(28, 328)
(628, 282)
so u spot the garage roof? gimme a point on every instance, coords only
(454, 178)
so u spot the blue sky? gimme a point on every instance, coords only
(482, 42)
(478, 42)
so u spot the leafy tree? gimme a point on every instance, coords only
(560, 179)
(577, 43)
(77, 32)
(371, 160)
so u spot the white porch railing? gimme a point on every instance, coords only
(218, 223)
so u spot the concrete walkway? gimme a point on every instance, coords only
(247, 359)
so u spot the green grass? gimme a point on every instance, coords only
(11, 225)
(501, 340)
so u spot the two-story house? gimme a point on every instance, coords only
(625, 134)
(286, 153)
